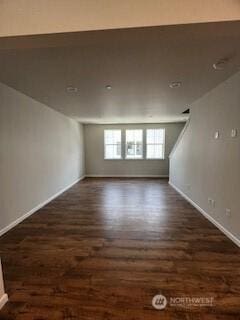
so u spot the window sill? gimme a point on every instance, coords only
(136, 159)
(113, 159)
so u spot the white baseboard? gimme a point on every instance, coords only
(29, 213)
(210, 218)
(3, 300)
(125, 176)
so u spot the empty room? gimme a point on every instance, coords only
(119, 160)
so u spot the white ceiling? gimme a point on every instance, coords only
(29, 17)
(138, 63)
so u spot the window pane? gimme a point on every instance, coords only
(113, 151)
(130, 149)
(118, 150)
(112, 136)
(109, 151)
(138, 149)
(134, 144)
(155, 135)
(155, 143)
(159, 151)
(155, 151)
(130, 135)
(117, 136)
(150, 151)
(159, 135)
(112, 144)
(134, 135)
(150, 135)
(138, 136)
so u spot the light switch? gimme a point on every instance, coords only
(213, 203)
(234, 133)
(216, 135)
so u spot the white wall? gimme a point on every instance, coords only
(94, 151)
(41, 153)
(24, 17)
(203, 167)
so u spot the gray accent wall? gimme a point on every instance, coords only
(204, 168)
(94, 152)
(41, 153)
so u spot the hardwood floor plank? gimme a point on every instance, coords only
(104, 248)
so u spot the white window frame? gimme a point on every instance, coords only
(120, 158)
(131, 158)
(162, 144)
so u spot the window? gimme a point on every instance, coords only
(134, 144)
(155, 143)
(112, 144)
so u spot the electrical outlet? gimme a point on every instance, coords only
(228, 212)
(211, 202)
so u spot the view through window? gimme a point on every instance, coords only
(134, 144)
(155, 141)
(139, 144)
(112, 144)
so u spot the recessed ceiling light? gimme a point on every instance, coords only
(175, 84)
(220, 64)
(72, 89)
(108, 87)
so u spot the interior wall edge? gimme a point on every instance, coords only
(180, 137)
(207, 215)
(205, 164)
(3, 300)
(96, 165)
(39, 206)
(42, 152)
(3, 295)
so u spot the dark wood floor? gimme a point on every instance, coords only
(104, 248)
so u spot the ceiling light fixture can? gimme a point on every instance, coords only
(108, 87)
(175, 84)
(220, 64)
(72, 89)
